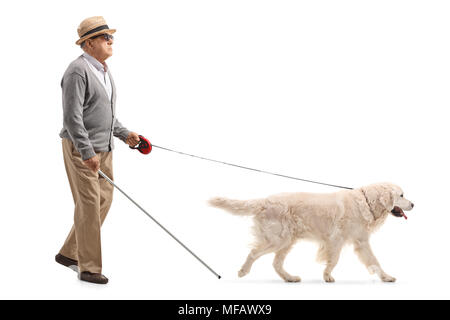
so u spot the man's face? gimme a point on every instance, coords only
(100, 48)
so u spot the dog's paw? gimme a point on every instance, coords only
(242, 273)
(292, 279)
(328, 278)
(387, 278)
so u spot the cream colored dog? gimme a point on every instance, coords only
(332, 219)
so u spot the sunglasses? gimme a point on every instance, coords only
(106, 36)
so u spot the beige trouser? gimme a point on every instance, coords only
(92, 195)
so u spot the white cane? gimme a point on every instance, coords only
(159, 224)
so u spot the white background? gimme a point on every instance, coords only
(345, 92)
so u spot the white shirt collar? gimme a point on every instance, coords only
(97, 64)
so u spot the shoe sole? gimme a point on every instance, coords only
(65, 263)
(74, 268)
(84, 280)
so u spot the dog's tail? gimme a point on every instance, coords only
(238, 207)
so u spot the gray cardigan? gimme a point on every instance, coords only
(89, 117)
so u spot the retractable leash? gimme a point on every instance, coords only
(145, 147)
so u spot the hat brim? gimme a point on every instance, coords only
(108, 31)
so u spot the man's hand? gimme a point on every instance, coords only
(133, 139)
(92, 163)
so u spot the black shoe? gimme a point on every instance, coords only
(93, 277)
(67, 262)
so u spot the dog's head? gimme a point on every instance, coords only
(385, 198)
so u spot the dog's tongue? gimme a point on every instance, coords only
(399, 210)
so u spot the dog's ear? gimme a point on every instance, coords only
(366, 213)
(379, 199)
(386, 197)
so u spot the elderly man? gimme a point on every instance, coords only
(89, 112)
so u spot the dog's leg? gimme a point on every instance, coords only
(330, 252)
(365, 254)
(253, 256)
(278, 261)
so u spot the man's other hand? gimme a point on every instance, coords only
(93, 163)
(133, 139)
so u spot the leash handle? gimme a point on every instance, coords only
(144, 146)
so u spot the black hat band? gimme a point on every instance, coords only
(95, 30)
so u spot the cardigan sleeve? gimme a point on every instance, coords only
(73, 89)
(120, 131)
